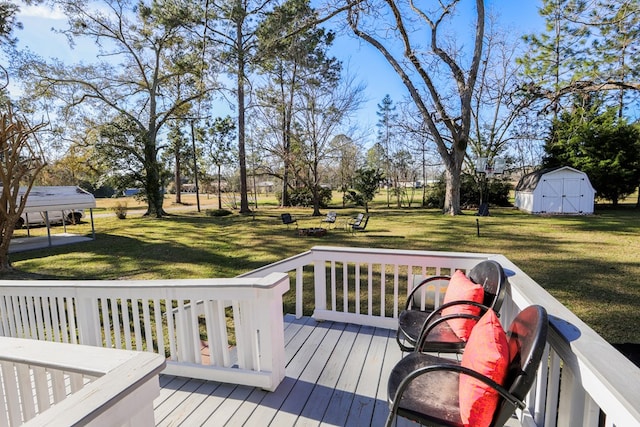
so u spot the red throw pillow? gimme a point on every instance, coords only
(486, 352)
(462, 288)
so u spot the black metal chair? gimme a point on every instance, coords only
(430, 329)
(357, 220)
(359, 224)
(330, 219)
(288, 219)
(425, 388)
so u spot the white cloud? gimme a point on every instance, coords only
(40, 11)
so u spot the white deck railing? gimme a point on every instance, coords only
(586, 381)
(234, 332)
(45, 383)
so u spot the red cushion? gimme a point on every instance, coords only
(462, 288)
(486, 352)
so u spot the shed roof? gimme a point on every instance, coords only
(530, 181)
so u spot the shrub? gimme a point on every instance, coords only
(435, 195)
(120, 209)
(304, 197)
(498, 191)
(352, 196)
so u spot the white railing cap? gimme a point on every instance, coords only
(269, 281)
(89, 360)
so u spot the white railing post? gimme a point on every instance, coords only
(571, 404)
(320, 284)
(299, 292)
(270, 334)
(88, 321)
(246, 331)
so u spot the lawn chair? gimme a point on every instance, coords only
(330, 219)
(362, 225)
(357, 220)
(430, 330)
(359, 223)
(428, 389)
(288, 220)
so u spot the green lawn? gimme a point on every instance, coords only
(590, 263)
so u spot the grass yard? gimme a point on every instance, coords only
(590, 263)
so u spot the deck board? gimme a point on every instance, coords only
(336, 375)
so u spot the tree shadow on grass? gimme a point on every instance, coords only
(116, 257)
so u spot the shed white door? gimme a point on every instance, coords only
(572, 195)
(562, 195)
(552, 191)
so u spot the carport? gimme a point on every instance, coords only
(43, 200)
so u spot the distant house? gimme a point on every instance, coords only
(562, 190)
(265, 187)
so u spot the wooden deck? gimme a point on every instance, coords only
(336, 376)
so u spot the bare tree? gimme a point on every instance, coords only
(419, 142)
(324, 108)
(428, 71)
(20, 162)
(496, 105)
(347, 159)
(291, 59)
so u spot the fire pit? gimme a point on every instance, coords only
(316, 232)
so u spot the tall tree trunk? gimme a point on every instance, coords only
(285, 185)
(287, 115)
(219, 189)
(177, 177)
(244, 200)
(453, 180)
(20, 164)
(7, 234)
(286, 147)
(316, 190)
(152, 184)
(433, 104)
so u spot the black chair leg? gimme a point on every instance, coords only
(390, 419)
(401, 343)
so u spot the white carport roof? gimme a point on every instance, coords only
(57, 198)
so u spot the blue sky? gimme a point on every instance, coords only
(362, 60)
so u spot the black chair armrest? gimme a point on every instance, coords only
(427, 328)
(437, 313)
(422, 283)
(435, 318)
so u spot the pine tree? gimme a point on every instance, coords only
(554, 56)
(591, 138)
(386, 134)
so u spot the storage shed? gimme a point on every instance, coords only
(561, 190)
